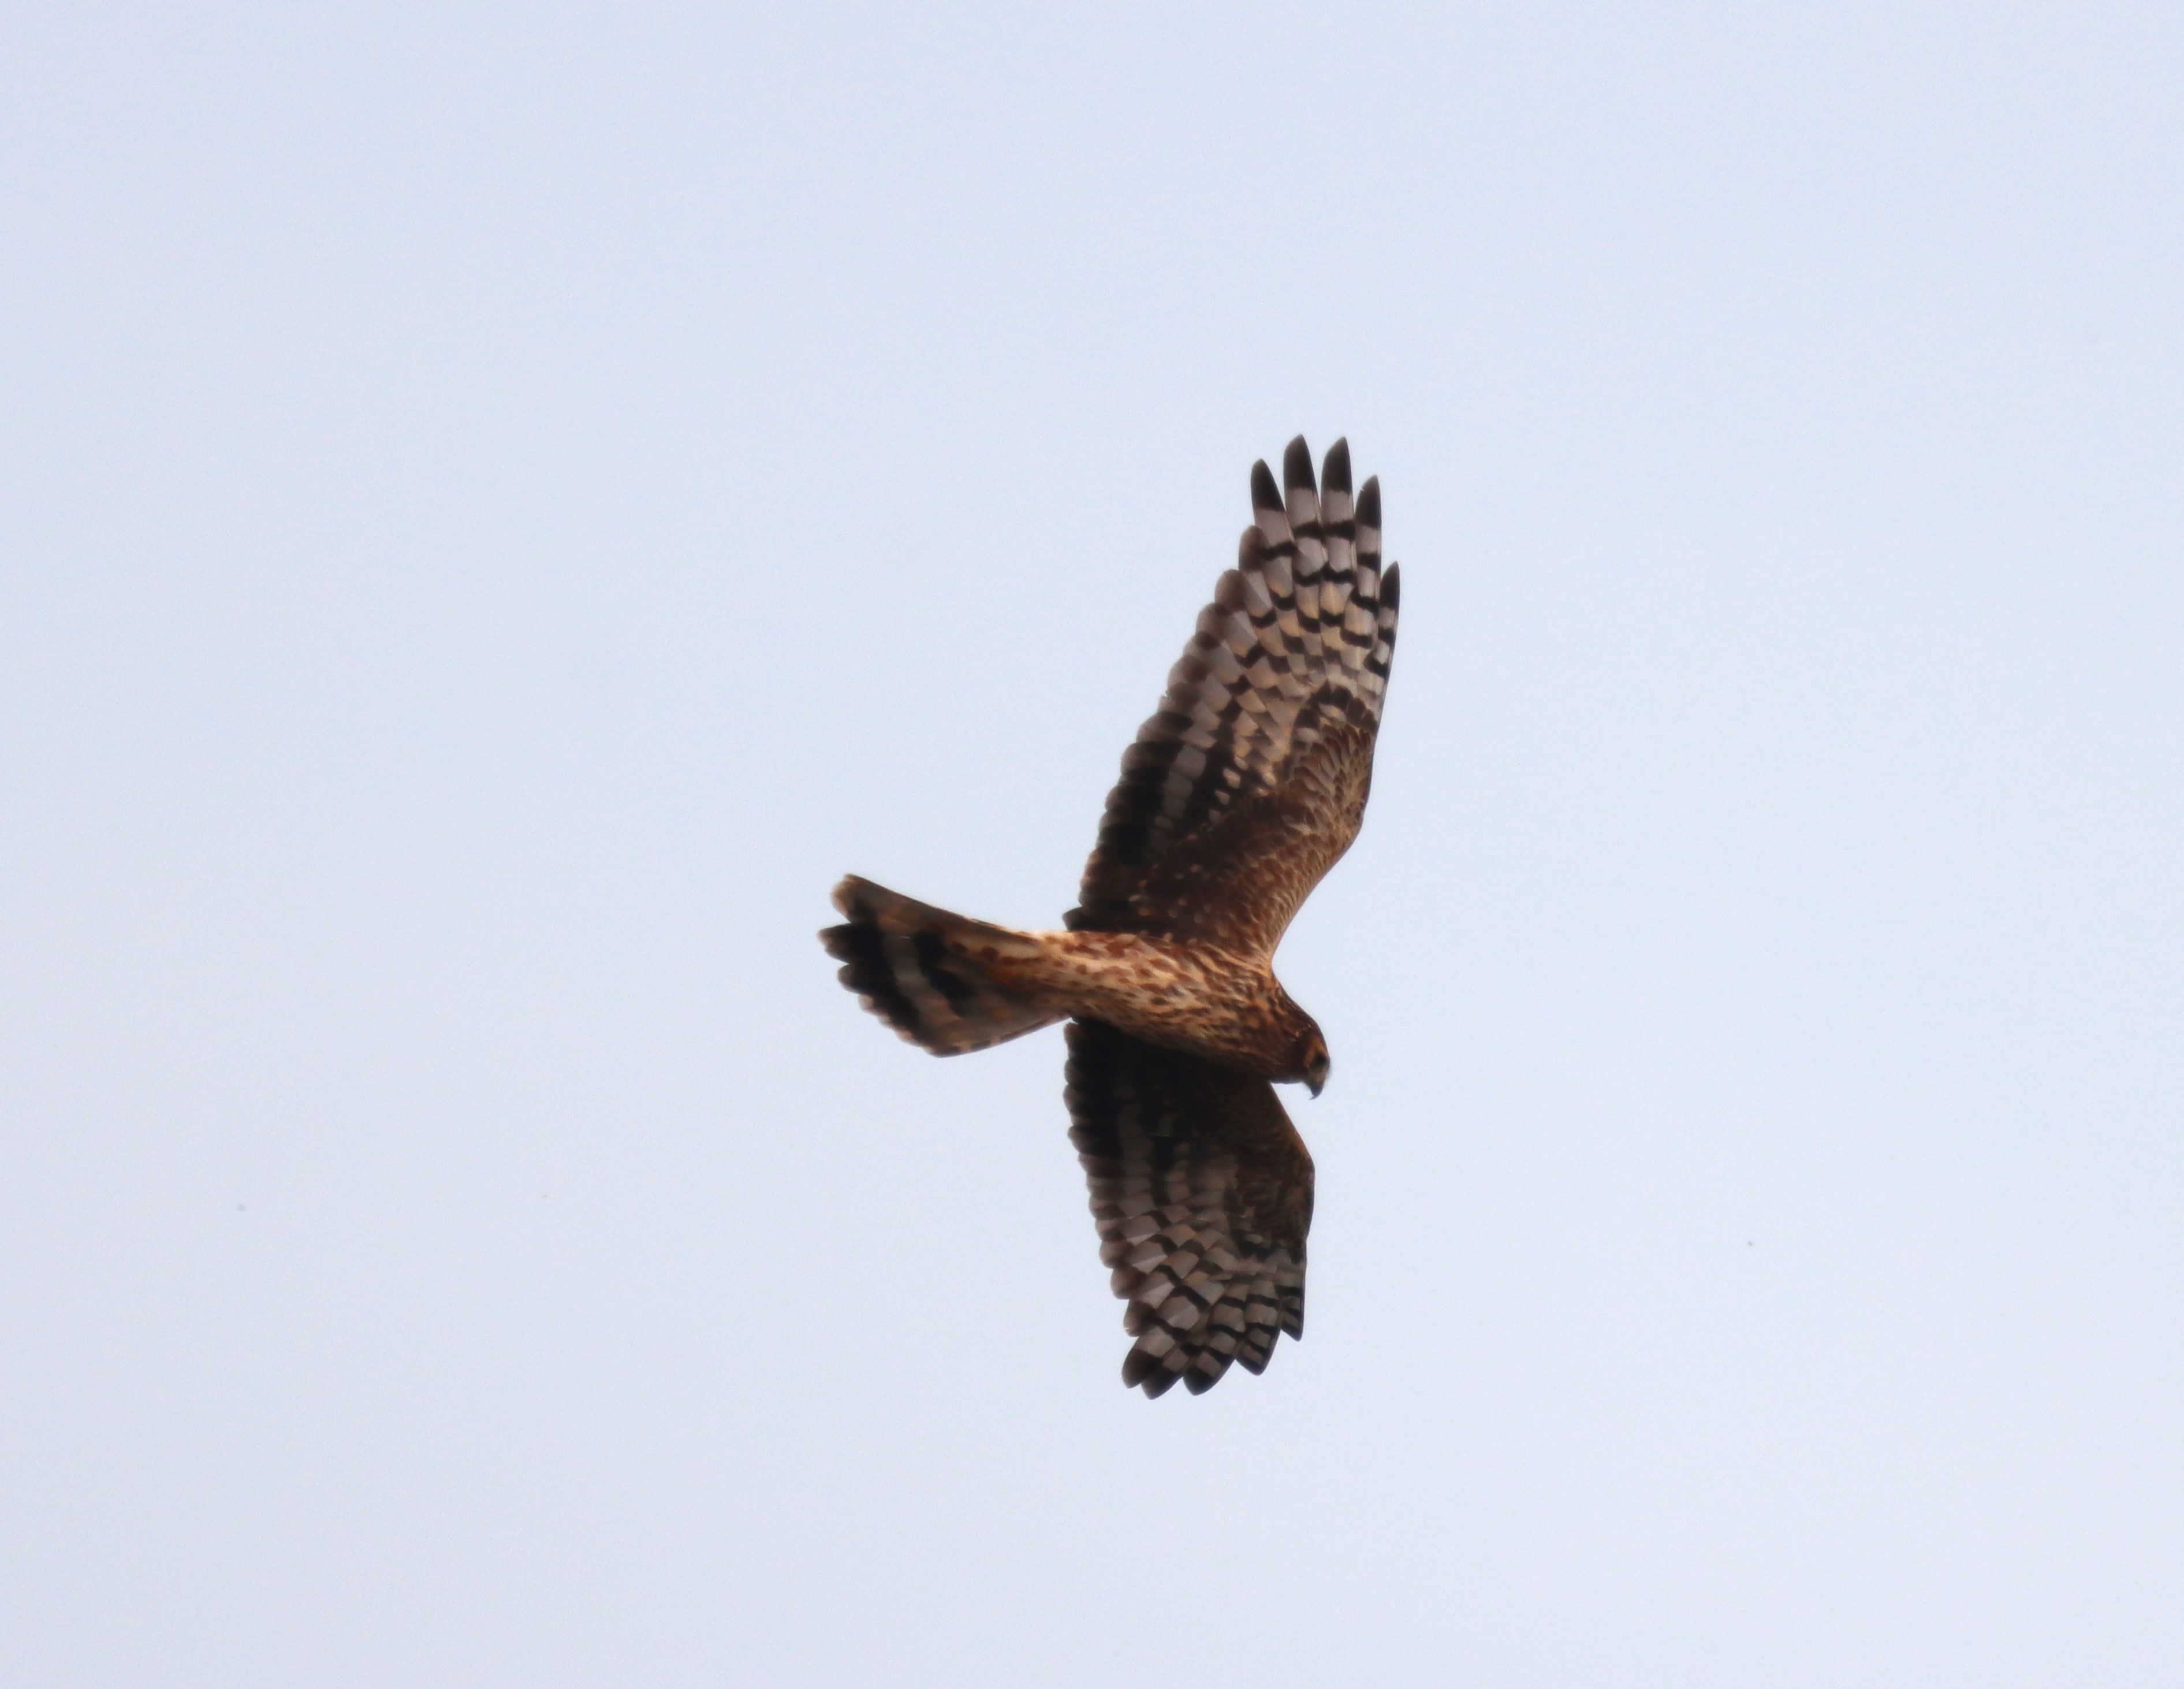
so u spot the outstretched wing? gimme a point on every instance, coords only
(1250, 780)
(1202, 1192)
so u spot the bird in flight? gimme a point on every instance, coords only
(1239, 793)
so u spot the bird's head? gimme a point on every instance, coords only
(1310, 1062)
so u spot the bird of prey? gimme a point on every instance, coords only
(1239, 793)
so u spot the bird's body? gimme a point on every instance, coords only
(1239, 795)
(1194, 997)
(1191, 995)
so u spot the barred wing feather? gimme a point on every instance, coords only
(1201, 1189)
(1250, 780)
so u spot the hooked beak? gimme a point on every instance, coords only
(1315, 1086)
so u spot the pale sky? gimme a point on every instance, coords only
(503, 506)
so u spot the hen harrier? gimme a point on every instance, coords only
(1239, 795)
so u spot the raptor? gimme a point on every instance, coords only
(1237, 796)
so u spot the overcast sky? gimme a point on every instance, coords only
(503, 506)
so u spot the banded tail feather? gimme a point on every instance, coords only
(925, 972)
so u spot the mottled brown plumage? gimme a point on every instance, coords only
(1239, 793)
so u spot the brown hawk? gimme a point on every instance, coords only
(1242, 791)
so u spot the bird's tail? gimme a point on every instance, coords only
(932, 975)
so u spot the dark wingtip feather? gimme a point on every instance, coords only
(1368, 502)
(850, 897)
(1296, 467)
(1265, 495)
(1391, 587)
(1335, 476)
